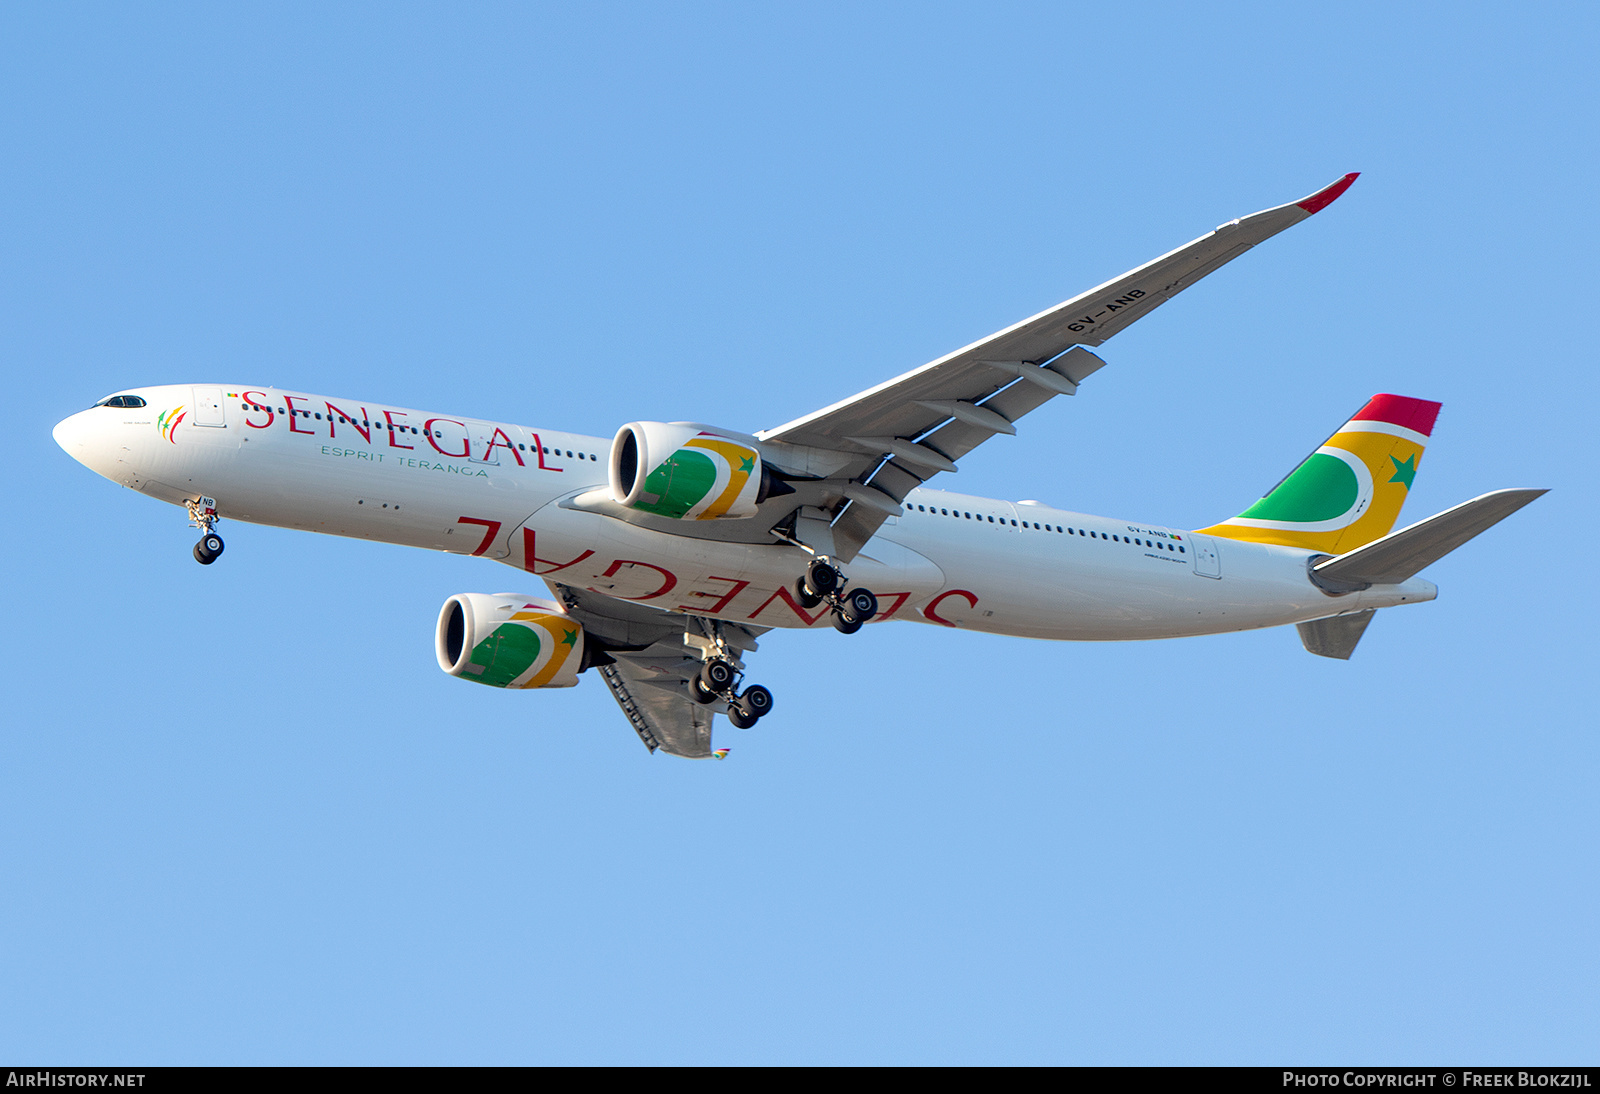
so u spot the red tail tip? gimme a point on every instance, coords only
(1328, 194)
(1415, 414)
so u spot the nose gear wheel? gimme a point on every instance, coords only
(207, 550)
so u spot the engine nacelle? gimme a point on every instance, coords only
(509, 641)
(687, 471)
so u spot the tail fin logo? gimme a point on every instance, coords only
(1350, 490)
(1329, 491)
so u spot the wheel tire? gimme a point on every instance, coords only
(739, 718)
(756, 701)
(822, 577)
(716, 675)
(701, 695)
(804, 595)
(213, 545)
(202, 556)
(845, 624)
(861, 604)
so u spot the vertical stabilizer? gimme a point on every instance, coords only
(1350, 490)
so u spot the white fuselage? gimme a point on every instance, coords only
(445, 482)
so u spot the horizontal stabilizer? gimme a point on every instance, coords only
(1399, 555)
(1337, 635)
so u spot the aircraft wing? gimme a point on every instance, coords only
(648, 664)
(655, 698)
(905, 431)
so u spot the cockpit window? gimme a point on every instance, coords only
(124, 401)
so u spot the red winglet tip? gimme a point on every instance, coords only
(1328, 195)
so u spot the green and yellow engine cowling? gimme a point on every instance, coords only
(508, 641)
(688, 471)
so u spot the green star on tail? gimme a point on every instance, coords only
(1404, 472)
(747, 466)
(570, 638)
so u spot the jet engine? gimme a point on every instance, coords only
(687, 471)
(509, 641)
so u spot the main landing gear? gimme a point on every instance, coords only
(718, 680)
(203, 515)
(823, 583)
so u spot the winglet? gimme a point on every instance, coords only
(1328, 194)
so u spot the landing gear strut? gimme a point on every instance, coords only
(719, 677)
(203, 515)
(823, 582)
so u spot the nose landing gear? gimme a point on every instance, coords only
(203, 515)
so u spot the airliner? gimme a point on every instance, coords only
(667, 550)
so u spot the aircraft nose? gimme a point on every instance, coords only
(82, 436)
(72, 433)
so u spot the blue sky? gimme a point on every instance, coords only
(243, 816)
